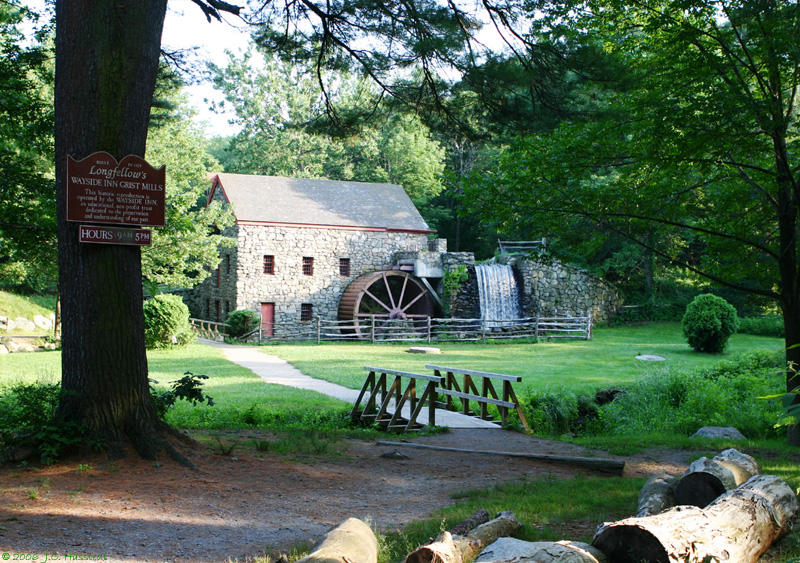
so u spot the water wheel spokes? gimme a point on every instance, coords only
(386, 296)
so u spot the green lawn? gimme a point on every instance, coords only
(241, 398)
(577, 365)
(13, 306)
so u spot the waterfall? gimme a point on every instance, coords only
(497, 292)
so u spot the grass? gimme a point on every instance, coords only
(13, 305)
(554, 509)
(241, 398)
(576, 365)
(550, 508)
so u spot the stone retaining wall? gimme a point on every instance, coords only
(550, 287)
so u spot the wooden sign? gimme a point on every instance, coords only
(114, 235)
(102, 190)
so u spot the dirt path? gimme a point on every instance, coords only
(239, 507)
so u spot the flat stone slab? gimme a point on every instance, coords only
(651, 358)
(424, 350)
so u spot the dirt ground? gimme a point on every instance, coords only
(243, 505)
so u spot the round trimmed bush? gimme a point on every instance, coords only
(708, 323)
(166, 322)
(241, 322)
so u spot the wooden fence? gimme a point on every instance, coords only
(522, 246)
(209, 329)
(376, 329)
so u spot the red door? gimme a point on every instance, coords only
(267, 318)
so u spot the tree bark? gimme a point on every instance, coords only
(657, 495)
(706, 479)
(511, 550)
(107, 56)
(458, 549)
(739, 526)
(352, 541)
(791, 325)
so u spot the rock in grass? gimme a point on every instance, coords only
(719, 433)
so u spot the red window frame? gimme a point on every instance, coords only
(344, 267)
(306, 312)
(308, 266)
(269, 264)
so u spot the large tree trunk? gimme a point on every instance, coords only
(738, 526)
(791, 324)
(107, 56)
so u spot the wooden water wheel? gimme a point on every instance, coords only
(385, 296)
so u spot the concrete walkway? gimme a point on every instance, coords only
(279, 372)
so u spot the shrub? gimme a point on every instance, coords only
(762, 326)
(241, 322)
(187, 388)
(166, 322)
(28, 424)
(679, 402)
(560, 412)
(708, 323)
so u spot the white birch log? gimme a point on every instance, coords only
(738, 528)
(706, 479)
(455, 549)
(657, 495)
(352, 541)
(511, 550)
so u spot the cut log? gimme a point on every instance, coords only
(458, 549)
(463, 528)
(657, 495)
(352, 541)
(738, 527)
(511, 550)
(706, 479)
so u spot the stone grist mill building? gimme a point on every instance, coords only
(352, 250)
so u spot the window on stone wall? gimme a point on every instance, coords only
(308, 266)
(269, 264)
(344, 267)
(306, 312)
(219, 277)
(217, 307)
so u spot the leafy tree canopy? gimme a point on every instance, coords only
(27, 200)
(281, 111)
(186, 249)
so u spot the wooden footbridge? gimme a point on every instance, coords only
(398, 400)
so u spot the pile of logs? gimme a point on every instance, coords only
(678, 520)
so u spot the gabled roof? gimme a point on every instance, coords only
(303, 202)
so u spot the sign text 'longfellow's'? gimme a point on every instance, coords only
(102, 190)
(114, 235)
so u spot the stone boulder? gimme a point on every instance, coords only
(43, 322)
(14, 346)
(719, 432)
(21, 323)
